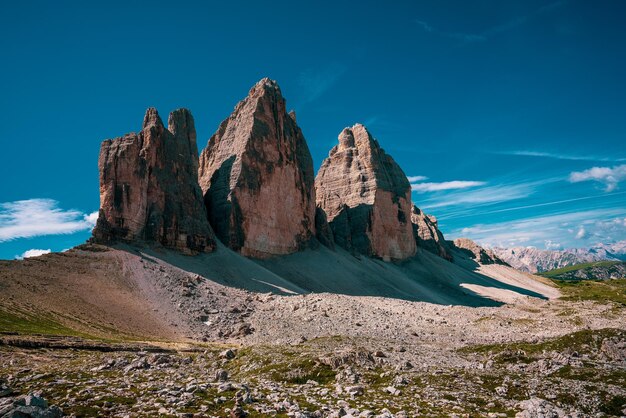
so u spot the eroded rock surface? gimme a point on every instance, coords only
(256, 174)
(149, 186)
(428, 234)
(366, 197)
(478, 253)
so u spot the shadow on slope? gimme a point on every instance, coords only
(424, 278)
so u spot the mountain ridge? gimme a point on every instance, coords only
(534, 260)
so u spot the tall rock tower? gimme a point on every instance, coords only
(256, 174)
(149, 187)
(366, 197)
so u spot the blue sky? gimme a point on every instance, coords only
(513, 111)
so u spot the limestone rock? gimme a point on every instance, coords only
(428, 235)
(149, 187)
(478, 253)
(323, 232)
(366, 197)
(256, 174)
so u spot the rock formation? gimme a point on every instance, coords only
(256, 174)
(428, 235)
(149, 186)
(366, 197)
(476, 252)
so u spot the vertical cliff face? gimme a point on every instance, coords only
(428, 234)
(366, 197)
(149, 186)
(256, 174)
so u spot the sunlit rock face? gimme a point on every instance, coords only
(366, 197)
(149, 187)
(256, 174)
(476, 252)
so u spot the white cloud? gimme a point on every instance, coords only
(32, 253)
(92, 218)
(446, 185)
(558, 156)
(582, 233)
(478, 197)
(610, 176)
(552, 245)
(413, 179)
(554, 228)
(37, 217)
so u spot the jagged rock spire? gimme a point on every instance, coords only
(149, 187)
(366, 197)
(256, 174)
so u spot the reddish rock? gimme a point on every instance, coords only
(428, 235)
(366, 197)
(476, 252)
(256, 174)
(149, 187)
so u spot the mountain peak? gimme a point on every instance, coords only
(265, 86)
(366, 197)
(152, 118)
(256, 174)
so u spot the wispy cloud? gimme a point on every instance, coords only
(315, 82)
(482, 196)
(558, 156)
(552, 245)
(445, 185)
(37, 217)
(562, 228)
(465, 37)
(32, 253)
(493, 31)
(415, 179)
(596, 198)
(609, 176)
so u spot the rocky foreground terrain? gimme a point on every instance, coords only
(137, 348)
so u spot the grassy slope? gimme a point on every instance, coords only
(601, 291)
(597, 291)
(557, 272)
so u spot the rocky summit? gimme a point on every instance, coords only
(366, 197)
(476, 252)
(149, 187)
(256, 174)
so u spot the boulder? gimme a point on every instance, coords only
(366, 197)
(256, 174)
(149, 188)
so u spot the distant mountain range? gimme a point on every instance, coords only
(534, 260)
(598, 270)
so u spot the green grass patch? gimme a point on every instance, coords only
(281, 366)
(585, 341)
(551, 274)
(22, 322)
(598, 291)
